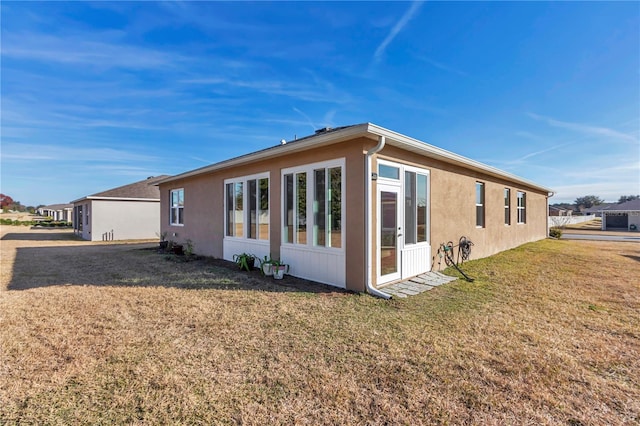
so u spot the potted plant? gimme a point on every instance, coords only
(244, 261)
(279, 269)
(178, 249)
(266, 266)
(163, 242)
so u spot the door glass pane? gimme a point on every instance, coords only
(335, 207)
(263, 221)
(288, 218)
(319, 209)
(301, 205)
(388, 234)
(230, 210)
(253, 208)
(410, 209)
(421, 193)
(239, 210)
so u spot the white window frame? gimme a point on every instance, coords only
(177, 208)
(507, 206)
(481, 204)
(402, 168)
(310, 169)
(521, 209)
(245, 206)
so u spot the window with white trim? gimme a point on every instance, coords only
(247, 207)
(507, 206)
(522, 207)
(312, 198)
(479, 205)
(176, 212)
(415, 207)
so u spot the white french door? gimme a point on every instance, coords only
(389, 225)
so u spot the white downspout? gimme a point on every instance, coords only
(368, 218)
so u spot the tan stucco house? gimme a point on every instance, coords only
(357, 207)
(58, 212)
(621, 216)
(128, 212)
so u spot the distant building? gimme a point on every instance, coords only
(559, 211)
(129, 212)
(597, 210)
(58, 212)
(622, 216)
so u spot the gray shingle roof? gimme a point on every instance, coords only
(142, 189)
(58, 206)
(633, 205)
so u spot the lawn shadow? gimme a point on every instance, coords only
(46, 235)
(140, 265)
(632, 257)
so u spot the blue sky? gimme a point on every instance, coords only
(97, 95)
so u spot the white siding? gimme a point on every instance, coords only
(415, 259)
(231, 246)
(129, 220)
(324, 266)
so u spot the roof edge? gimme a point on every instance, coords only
(364, 129)
(91, 197)
(452, 158)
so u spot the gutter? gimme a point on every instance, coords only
(367, 205)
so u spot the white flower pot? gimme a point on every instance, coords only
(279, 271)
(267, 269)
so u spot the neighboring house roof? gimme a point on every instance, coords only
(557, 208)
(329, 136)
(144, 190)
(628, 206)
(57, 207)
(598, 208)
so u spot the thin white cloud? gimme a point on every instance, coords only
(397, 28)
(82, 51)
(609, 191)
(299, 91)
(584, 128)
(442, 66)
(542, 151)
(306, 117)
(41, 152)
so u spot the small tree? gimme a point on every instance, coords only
(588, 201)
(625, 198)
(5, 201)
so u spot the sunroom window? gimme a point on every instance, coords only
(247, 207)
(415, 207)
(313, 205)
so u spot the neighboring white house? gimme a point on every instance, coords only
(59, 212)
(622, 216)
(129, 212)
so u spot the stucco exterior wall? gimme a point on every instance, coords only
(451, 205)
(452, 208)
(204, 204)
(129, 220)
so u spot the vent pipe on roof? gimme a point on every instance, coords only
(283, 142)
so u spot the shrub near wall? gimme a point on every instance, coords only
(42, 224)
(555, 232)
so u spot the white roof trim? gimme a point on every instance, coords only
(371, 131)
(114, 199)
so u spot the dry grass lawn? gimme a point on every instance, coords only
(549, 333)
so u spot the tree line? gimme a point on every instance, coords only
(589, 201)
